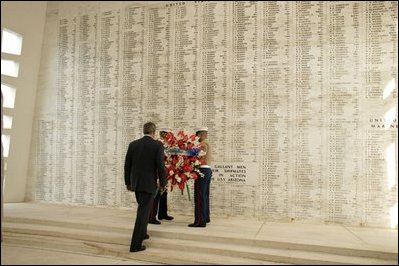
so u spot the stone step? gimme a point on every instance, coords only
(195, 234)
(152, 255)
(269, 254)
(199, 247)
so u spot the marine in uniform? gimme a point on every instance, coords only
(202, 184)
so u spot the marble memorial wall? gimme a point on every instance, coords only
(300, 99)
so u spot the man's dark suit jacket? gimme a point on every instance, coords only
(144, 163)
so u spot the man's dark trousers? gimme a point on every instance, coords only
(144, 201)
(201, 197)
(161, 201)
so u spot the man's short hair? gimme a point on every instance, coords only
(165, 129)
(149, 128)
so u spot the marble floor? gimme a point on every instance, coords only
(16, 255)
(259, 242)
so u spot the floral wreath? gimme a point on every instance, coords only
(182, 159)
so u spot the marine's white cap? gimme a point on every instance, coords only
(165, 129)
(201, 129)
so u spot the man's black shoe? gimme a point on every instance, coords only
(137, 249)
(197, 225)
(154, 222)
(146, 237)
(166, 218)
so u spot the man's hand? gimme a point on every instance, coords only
(129, 187)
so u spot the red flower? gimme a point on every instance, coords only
(180, 143)
(187, 168)
(194, 175)
(181, 185)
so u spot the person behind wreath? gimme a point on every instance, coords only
(160, 205)
(202, 184)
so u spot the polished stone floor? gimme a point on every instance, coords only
(15, 255)
(270, 240)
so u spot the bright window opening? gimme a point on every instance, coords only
(7, 121)
(8, 95)
(5, 140)
(11, 42)
(9, 68)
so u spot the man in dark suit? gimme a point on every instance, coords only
(144, 164)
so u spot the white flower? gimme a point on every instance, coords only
(171, 172)
(180, 162)
(178, 178)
